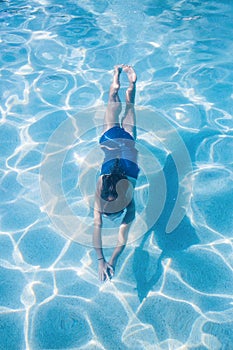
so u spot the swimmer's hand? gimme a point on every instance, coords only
(106, 271)
(111, 271)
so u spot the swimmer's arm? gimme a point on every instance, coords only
(105, 270)
(97, 236)
(123, 233)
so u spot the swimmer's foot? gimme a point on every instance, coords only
(132, 76)
(118, 69)
(116, 78)
(130, 92)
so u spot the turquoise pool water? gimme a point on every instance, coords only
(173, 284)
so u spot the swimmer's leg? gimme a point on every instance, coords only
(114, 108)
(129, 119)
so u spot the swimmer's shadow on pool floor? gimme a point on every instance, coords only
(171, 244)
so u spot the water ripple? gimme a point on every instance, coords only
(170, 291)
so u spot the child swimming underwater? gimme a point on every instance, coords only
(119, 171)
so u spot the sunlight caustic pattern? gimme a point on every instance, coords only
(173, 284)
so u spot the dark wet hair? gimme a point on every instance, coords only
(109, 181)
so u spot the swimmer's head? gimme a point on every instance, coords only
(109, 182)
(108, 190)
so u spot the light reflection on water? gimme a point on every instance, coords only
(171, 291)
